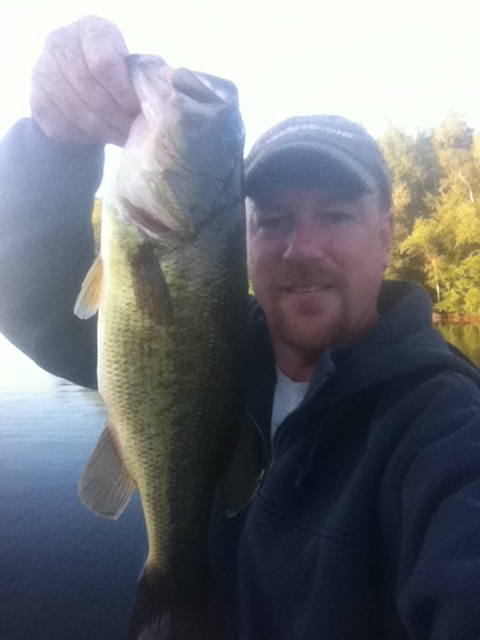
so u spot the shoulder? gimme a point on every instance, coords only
(438, 395)
(424, 409)
(434, 434)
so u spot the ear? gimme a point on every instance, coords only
(386, 236)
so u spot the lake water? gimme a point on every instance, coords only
(465, 337)
(64, 572)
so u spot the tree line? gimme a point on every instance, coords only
(436, 192)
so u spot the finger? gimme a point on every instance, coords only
(64, 61)
(105, 54)
(92, 98)
(56, 106)
(56, 126)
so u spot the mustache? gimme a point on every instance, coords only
(304, 276)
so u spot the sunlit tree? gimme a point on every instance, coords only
(446, 237)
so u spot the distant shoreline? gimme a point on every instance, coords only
(455, 318)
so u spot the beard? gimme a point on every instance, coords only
(305, 311)
(308, 337)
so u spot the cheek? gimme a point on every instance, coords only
(360, 259)
(255, 265)
(262, 257)
(346, 253)
(252, 256)
(264, 267)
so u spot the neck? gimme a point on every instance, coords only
(299, 367)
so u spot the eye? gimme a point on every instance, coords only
(272, 221)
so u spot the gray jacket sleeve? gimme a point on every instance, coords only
(46, 248)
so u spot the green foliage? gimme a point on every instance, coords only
(436, 187)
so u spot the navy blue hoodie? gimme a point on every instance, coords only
(367, 524)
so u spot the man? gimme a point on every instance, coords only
(367, 523)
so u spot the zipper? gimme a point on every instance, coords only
(265, 444)
(304, 408)
(282, 428)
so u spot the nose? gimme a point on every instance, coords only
(305, 242)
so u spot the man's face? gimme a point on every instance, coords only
(316, 262)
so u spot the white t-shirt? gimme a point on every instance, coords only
(288, 395)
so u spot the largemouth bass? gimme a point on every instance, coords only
(170, 286)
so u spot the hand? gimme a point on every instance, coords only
(81, 90)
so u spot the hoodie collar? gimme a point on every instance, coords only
(402, 340)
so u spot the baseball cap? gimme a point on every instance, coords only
(324, 149)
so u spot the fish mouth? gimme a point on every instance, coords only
(193, 86)
(203, 88)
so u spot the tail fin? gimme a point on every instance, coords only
(158, 617)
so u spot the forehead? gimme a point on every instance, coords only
(293, 197)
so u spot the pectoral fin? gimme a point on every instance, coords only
(106, 486)
(150, 286)
(88, 299)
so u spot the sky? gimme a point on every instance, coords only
(408, 63)
(380, 63)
